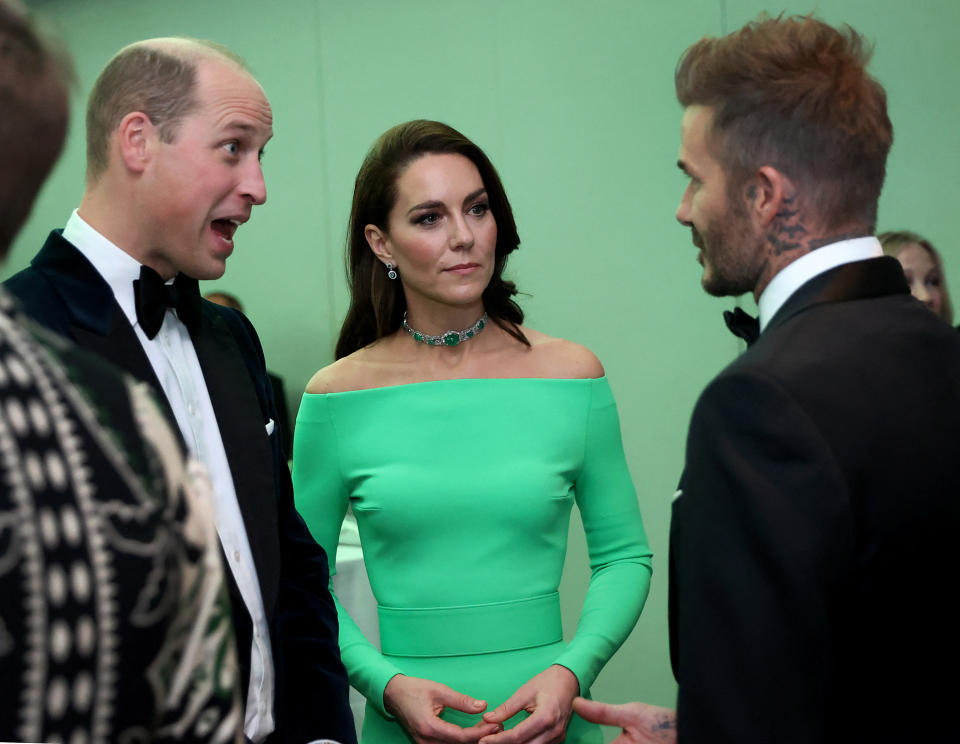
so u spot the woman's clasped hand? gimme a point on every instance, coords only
(547, 698)
(418, 703)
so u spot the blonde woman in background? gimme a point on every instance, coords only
(923, 268)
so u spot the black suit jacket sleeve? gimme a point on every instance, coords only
(312, 688)
(308, 630)
(758, 530)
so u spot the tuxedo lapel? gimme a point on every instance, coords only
(86, 296)
(120, 345)
(875, 277)
(245, 440)
(93, 319)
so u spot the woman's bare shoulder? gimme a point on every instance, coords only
(331, 379)
(349, 373)
(561, 358)
(370, 367)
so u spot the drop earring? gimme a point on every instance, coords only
(391, 272)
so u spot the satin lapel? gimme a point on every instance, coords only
(96, 322)
(242, 428)
(860, 280)
(120, 345)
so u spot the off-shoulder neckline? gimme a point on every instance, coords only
(405, 385)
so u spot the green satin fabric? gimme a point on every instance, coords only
(462, 491)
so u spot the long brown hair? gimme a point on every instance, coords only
(377, 303)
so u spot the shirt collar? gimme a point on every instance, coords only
(805, 268)
(117, 267)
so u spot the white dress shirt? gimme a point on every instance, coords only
(174, 360)
(805, 268)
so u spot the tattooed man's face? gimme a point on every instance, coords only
(731, 251)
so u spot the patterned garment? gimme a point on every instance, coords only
(114, 619)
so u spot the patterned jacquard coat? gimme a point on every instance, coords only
(115, 622)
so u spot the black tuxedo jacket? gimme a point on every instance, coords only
(61, 290)
(813, 568)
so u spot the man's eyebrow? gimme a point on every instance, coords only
(241, 125)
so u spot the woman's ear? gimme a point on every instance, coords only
(135, 137)
(379, 243)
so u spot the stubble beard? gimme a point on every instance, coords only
(731, 257)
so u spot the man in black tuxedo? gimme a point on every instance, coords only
(812, 541)
(175, 132)
(115, 623)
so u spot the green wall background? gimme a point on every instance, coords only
(574, 103)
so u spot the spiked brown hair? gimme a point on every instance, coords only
(794, 93)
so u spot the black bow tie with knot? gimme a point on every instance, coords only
(153, 296)
(742, 325)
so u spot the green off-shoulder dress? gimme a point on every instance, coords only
(462, 491)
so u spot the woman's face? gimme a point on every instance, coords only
(441, 234)
(922, 275)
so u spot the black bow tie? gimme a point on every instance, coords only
(742, 325)
(153, 296)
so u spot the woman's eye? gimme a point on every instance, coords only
(479, 209)
(430, 218)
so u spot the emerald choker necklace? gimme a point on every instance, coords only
(447, 338)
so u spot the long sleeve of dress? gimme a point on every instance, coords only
(620, 557)
(322, 499)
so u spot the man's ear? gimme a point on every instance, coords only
(135, 138)
(379, 243)
(766, 193)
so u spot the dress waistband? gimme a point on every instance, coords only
(470, 629)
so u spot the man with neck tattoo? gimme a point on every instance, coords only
(810, 558)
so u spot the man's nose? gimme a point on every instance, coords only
(683, 209)
(254, 187)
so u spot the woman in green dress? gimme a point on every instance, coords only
(462, 453)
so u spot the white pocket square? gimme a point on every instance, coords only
(677, 494)
(270, 427)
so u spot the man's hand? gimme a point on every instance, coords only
(418, 703)
(548, 698)
(641, 723)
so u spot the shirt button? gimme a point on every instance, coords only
(236, 555)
